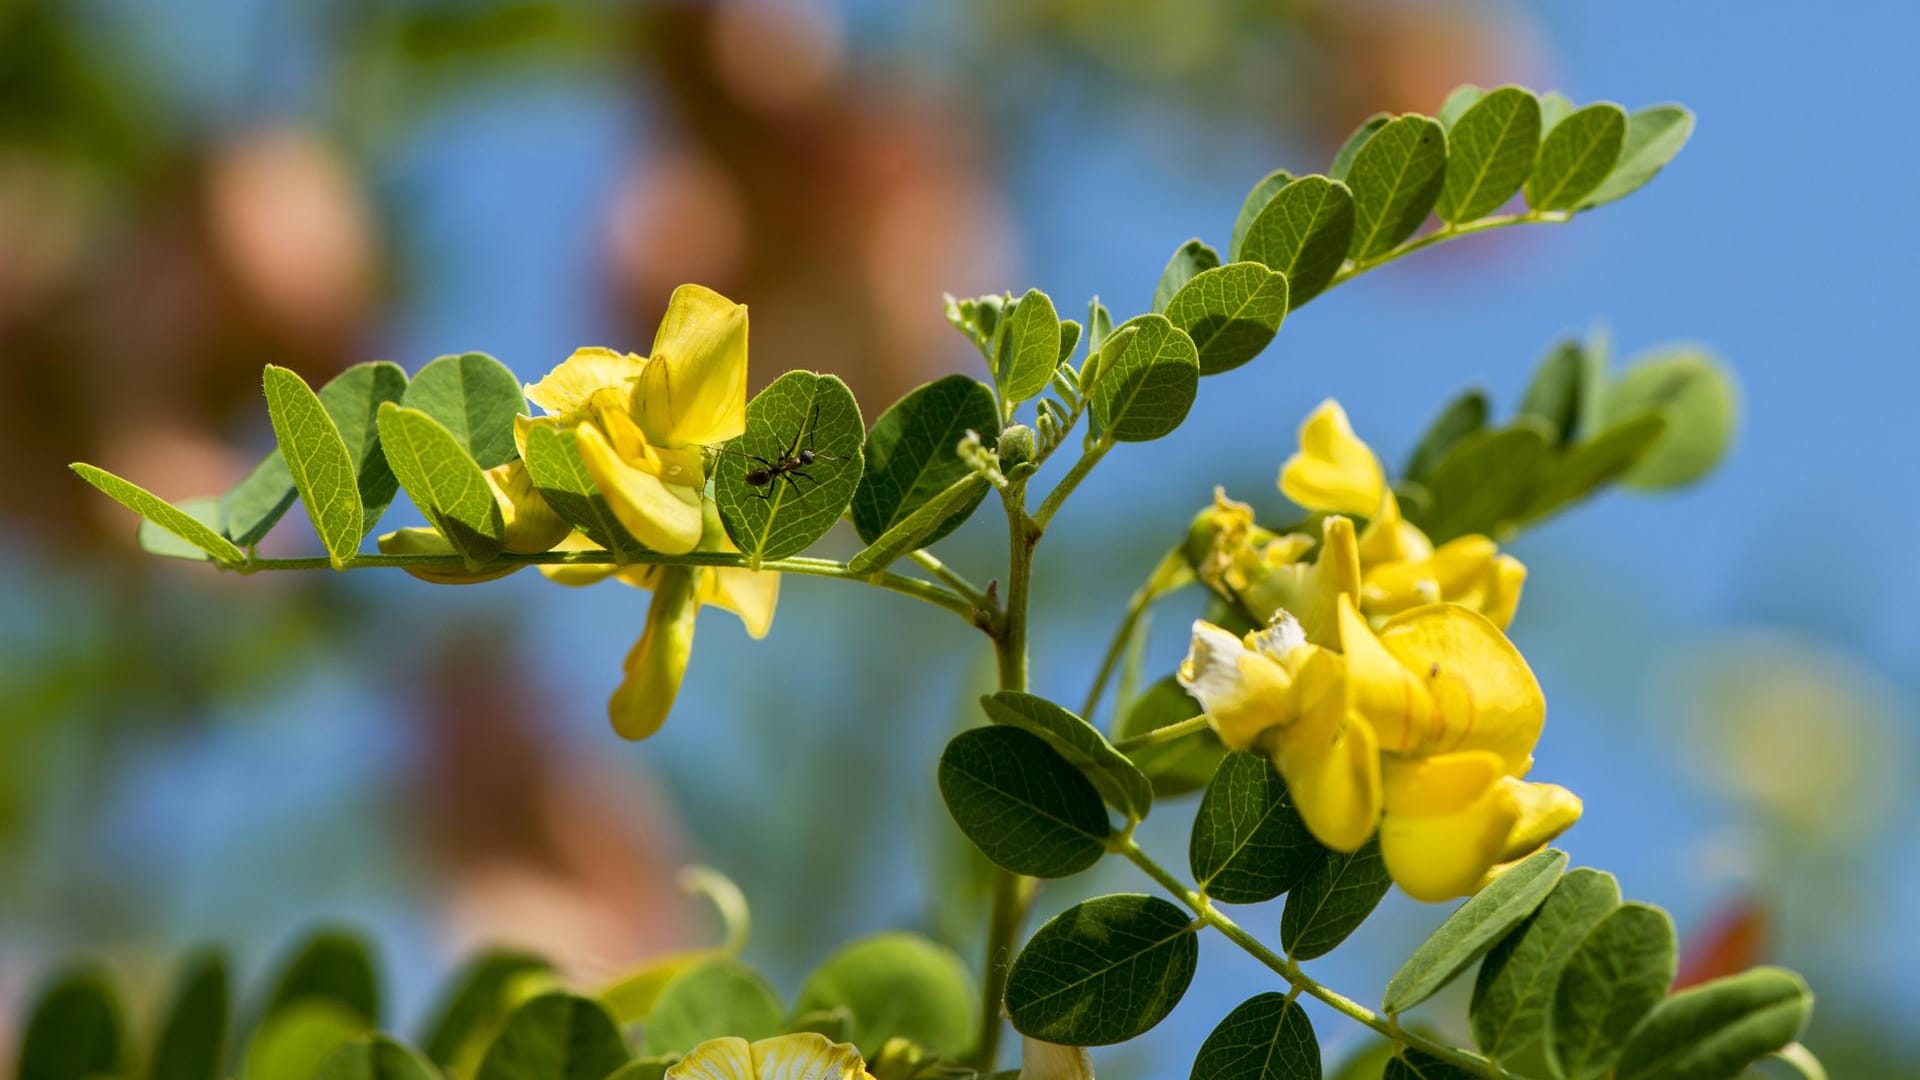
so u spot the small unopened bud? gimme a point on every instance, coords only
(1016, 446)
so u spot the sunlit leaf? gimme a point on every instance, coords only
(1513, 992)
(1654, 136)
(1266, 1037)
(1103, 971)
(1189, 260)
(475, 397)
(561, 477)
(1343, 158)
(1303, 232)
(1021, 803)
(1256, 201)
(897, 985)
(1614, 977)
(352, 398)
(1331, 902)
(334, 966)
(188, 528)
(799, 411)
(318, 459)
(1396, 179)
(1119, 781)
(912, 455)
(1029, 347)
(1249, 844)
(1715, 1030)
(1147, 380)
(1231, 312)
(475, 1002)
(1462, 416)
(1490, 153)
(1576, 155)
(374, 1057)
(1474, 928)
(444, 481)
(721, 997)
(555, 1037)
(1697, 395)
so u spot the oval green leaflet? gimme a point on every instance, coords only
(1490, 153)
(803, 444)
(1148, 380)
(444, 482)
(374, 1057)
(896, 985)
(1474, 928)
(319, 462)
(192, 1043)
(1249, 844)
(1396, 180)
(1332, 901)
(1022, 804)
(1513, 992)
(75, 1030)
(1303, 232)
(1119, 781)
(1231, 312)
(1614, 977)
(1266, 1037)
(475, 398)
(1103, 971)
(1027, 347)
(1715, 1030)
(912, 455)
(720, 997)
(1189, 260)
(555, 1037)
(1576, 155)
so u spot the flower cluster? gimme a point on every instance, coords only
(642, 426)
(1382, 686)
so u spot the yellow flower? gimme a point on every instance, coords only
(1335, 472)
(1423, 729)
(803, 1056)
(657, 663)
(1046, 1061)
(642, 421)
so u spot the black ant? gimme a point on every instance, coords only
(790, 465)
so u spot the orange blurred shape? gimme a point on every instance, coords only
(777, 54)
(290, 222)
(1733, 940)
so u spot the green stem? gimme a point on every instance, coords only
(932, 593)
(1095, 450)
(1299, 980)
(1137, 605)
(954, 579)
(1157, 736)
(1449, 232)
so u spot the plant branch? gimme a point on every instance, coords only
(1449, 232)
(954, 580)
(1299, 980)
(1089, 457)
(931, 592)
(1170, 733)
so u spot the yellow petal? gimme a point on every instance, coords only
(576, 576)
(430, 542)
(1446, 820)
(1243, 692)
(1502, 597)
(1330, 760)
(1381, 690)
(729, 1058)
(1392, 538)
(532, 526)
(1310, 591)
(567, 389)
(806, 1055)
(1544, 811)
(658, 660)
(664, 517)
(750, 594)
(1046, 1061)
(1484, 695)
(1334, 471)
(694, 388)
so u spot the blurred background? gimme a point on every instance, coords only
(190, 190)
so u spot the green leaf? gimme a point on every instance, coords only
(923, 526)
(912, 454)
(1490, 153)
(75, 1031)
(162, 513)
(1462, 98)
(1147, 380)
(1462, 417)
(1103, 971)
(1553, 397)
(1332, 901)
(1554, 107)
(319, 461)
(562, 479)
(444, 482)
(1021, 803)
(475, 398)
(1576, 155)
(352, 398)
(1176, 767)
(1069, 340)
(1715, 1030)
(1474, 928)
(1396, 179)
(1266, 1037)
(1099, 328)
(1513, 992)
(801, 410)
(1696, 393)
(332, 966)
(643, 1069)
(1366, 1063)
(476, 1000)
(291, 1043)
(1119, 781)
(192, 1043)
(155, 540)
(1801, 1060)
(1411, 1064)
(374, 1057)
(1579, 471)
(1256, 201)
(1614, 977)
(1304, 232)
(1654, 136)
(897, 985)
(1189, 261)
(556, 1037)
(718, 998)
(1029, 348)
(1231, 312)
(1484, 482)
(1343, 159)
(1249, 844)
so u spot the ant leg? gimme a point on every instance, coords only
(764, 493)
(803, 476)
